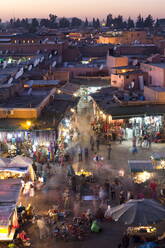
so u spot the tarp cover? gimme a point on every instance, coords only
(5, 214)
(9, 190)
(20, 161)
(140, 165)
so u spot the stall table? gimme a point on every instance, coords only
(142, 231)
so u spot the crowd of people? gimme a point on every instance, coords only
(84, 203)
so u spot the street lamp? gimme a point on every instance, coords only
(28, 124)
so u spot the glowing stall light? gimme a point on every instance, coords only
(9, 136)
(121, 173)
(19, 135)
(142, 177)
(58, 91)
(47, 144)
(34, 148)
(67, 123)
(67, 138)
(9, 61)
(104, 117)
(72, 110)
(28, 123)
(101, 112)
(161, 166)
(109, 118)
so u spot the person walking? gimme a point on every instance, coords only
(66, 196)
(149, 141)
(80, 153)
(92, 143)
(125, 241)
(102, 195)
(97, 144)
(109, 148)
(134, 147)
(86, 153)
(73, 184)
(43, 229)
(113, 196)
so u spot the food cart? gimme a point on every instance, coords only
(158, 161)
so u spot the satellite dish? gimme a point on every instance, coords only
(50, 56)
(19, 61)
(36, 62)
(10, 80)
(101, 67)
(19, 73)
(135, 62)
(30, 67)
(132, 85)
(45, 40)
(29, 91)
(54, 64)
(4, 64)
(42, 59)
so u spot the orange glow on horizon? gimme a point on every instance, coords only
(80, 8)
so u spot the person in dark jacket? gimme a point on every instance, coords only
(125, 241)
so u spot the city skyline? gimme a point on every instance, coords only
(82, 9)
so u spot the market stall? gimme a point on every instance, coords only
(85, 173)
(18, 167)
(8, 222)
(10, 190)
(141, 170)
(27, 143)
(142, 231)
(9, 197)
(140, 216)
(158, 161)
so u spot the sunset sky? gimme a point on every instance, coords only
(80, 8)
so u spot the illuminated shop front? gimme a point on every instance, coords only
(28, 142)
(105, 123)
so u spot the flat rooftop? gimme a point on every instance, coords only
(160, 65)
(43, 82)
(157, 88)
(26, 99)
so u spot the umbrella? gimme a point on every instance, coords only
(139, 212)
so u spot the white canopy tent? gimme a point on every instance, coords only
(19, 165)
